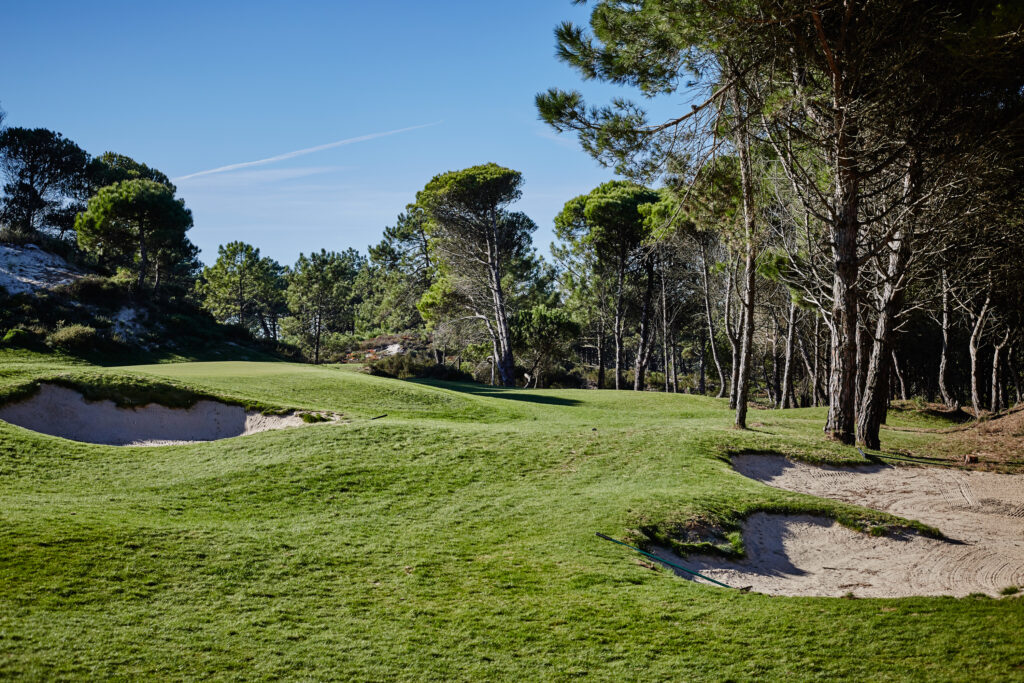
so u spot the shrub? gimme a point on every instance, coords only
(76, 339)
(416, 366)
(98, 291)
(21, 339)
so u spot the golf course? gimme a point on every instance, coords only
(438, 531)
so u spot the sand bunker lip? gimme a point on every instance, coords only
(58, 411)
(981, 514)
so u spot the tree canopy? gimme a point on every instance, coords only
(138, 224)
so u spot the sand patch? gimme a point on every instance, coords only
(63, 412)
(981, 513)
(29, 268)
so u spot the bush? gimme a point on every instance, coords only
(77, 339)
(21, 339)
(18, 236)
(97, 291)
(416, 366)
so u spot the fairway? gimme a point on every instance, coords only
(452, 539)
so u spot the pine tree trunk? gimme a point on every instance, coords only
(899, 376)
(644, 341)
(733, 335)
(618, 323)
(864, 344)
(710, 316)
(750, 265)
(875, 394)
(664, 330)
(996, 402)
(843, 375)
(876, 387)
(506, 363)
(702, 380)
(675, 375)
(976, 333)
(947, 396)
(844, 231)
(787, 399)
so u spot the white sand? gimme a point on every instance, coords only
(982, 513)
(63, 412)
(28, 268)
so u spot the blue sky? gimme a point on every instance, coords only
(189, 87)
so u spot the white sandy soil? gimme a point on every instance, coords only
(59, 411)
(28, 268)
(982, 514)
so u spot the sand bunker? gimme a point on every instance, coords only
(63, 412)
(981, 513)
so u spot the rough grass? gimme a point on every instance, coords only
(453, 539)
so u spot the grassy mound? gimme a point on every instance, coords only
(452, 539)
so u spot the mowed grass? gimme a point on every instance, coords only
(452, 539)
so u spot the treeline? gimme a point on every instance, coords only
(835, 219)
(871, 154)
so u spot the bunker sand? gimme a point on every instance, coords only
(981, 514)
(63, 412)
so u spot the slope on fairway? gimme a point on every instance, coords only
(452, 539)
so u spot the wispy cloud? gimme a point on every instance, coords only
(259, 176)
(302, 152)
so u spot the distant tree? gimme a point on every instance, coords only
(42, 172)
(605, 229)
(478, 239)
(542, 334)
(243, 288)
(406, 247)
(320, 298)
(111, 167)
(137, 223)
(399, 271)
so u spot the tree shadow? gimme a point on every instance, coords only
(501, 392)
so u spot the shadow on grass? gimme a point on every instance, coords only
(500, 392)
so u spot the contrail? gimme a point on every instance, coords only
(301, 152)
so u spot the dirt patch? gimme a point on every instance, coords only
(981, 514)
(63, 412)
(997, 440)
(994, 443)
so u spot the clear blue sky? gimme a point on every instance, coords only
(193, 86)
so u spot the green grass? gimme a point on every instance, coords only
(452, 539)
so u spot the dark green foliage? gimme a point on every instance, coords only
(111, 168)
(400, 269)
(96, 290)
(479, 243)
(542, 335)
(416, 366)
(42, 170)
(138, 224)
(76, 339)
(18, 338)
(321, 299)
(244, 288)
